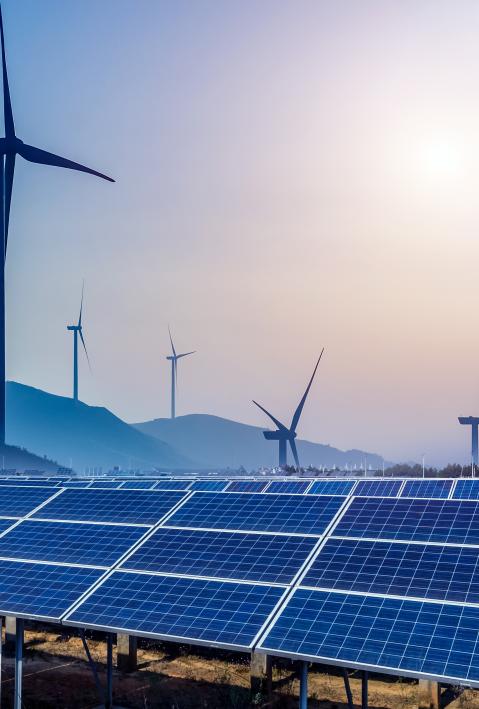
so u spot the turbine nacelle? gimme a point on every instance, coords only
(280, 435)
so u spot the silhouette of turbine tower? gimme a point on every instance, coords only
(10, 147)
(473, 422)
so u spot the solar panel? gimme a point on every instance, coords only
(419, 570)
(378, 488)
(289, 486)
(105, 484)
(20, 501)
(138, 485)
(253, 557)
(466, 489)
(42, 590)
(427, 488)
(384, 633)
(247, 485)
(6, 523)
(211, 612)
(209, 485)
(73, 543)
(451, 521)
(257, 512)
(331, 487)
(130, 506)
(26, 483)
(176, 484)
(74, 483)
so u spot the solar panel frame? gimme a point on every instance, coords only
(258, 512)
(209, 485)
(247, 485)
(320, 487)
(224, 593)
(288, 487)
(268, 645)
(466, 485)
(427, 488)
(237, 556)
(380, 488)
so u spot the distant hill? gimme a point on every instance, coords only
(220, 443)
(87, 435)
(21, 460)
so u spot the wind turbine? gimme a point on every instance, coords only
(174, 372)
(283, 434)
(10, 147)
(77, 331)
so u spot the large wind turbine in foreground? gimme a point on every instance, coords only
(283, 434)
(174, 373)
(77, 331)
(10, 147)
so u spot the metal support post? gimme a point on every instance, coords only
(364, 690)
(303, 687)
(17, 703)
(347, 687)
(109, 671)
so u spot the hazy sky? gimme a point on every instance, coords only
(290, 174)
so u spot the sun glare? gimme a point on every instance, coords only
(440, 158)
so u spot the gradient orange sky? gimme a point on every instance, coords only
(290, 174)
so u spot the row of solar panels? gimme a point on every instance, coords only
(461, 488)
(386, 583)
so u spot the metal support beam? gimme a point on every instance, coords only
(364, 690)
(92, 665)
(261, 677)
(10, 635)
(109, 672)
(429, 694)
(347, 687)
(303, 686)
(126, 652)
(17, 702)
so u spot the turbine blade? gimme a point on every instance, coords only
(81, 304)
(299, 410)
(43, 158)
(171, 340)
(7, 104)
(277, 423)
(9, 170)
(292, 443)
(84, 347)
(185, 354)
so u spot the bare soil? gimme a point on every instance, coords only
(57, 674)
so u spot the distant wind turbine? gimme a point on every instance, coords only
(77, 331)
(10, 147)
(283, 434)
(174, 373)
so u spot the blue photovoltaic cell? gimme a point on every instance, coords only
(6, 523)
(466, 490)
(331, 487)
(257, 512)
(288, 486)
(247, 485)
(71, 543)
(409, 636)
(74, 483)
(175, 484)
(453, 521)
(251, 557)
(27, 483)
(138, 485)
(19, 501)
(378, 488)
(42, 590)
(130, 506)
(105, 484)
(427, 488)
(209, 485)
(225, 613)
(448, 573)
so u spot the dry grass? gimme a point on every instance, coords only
(56, 675)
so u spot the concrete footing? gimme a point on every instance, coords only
(126, 653)
(261, 675)
(429, 694)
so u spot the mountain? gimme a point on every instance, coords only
(221, 443)
(19, 459)
(88, 436)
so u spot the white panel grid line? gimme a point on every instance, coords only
(385, 596)
(387, 540)
(452, 490)
(39, 507)
(244, 531)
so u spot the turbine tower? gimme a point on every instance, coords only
(283, 434)
(173, 357)
(10, 147)
(77, 331)
(473, 422)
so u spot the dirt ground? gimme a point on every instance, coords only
(56, 674)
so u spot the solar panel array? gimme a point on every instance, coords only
(359, 579)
